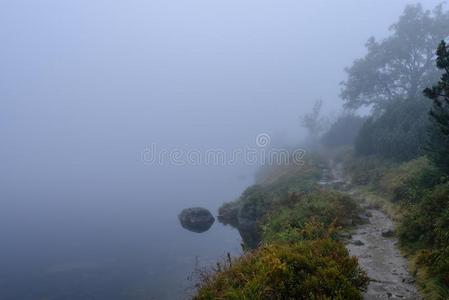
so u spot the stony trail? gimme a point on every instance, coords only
(375, 246)
(379, 256)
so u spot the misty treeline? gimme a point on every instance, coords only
(400, 149)
(389, 81)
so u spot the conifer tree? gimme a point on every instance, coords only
(438, 146)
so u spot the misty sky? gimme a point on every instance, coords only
(86, 85)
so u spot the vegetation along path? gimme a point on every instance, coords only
(375, 246)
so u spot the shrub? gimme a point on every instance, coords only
(274, 190)
(255, 203)
(327, 208)
(367, 170)
(424, 230)
(426, 223)
(318, 269)
(410, 181)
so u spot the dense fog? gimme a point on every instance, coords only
(88, 87)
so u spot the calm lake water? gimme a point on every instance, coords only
(111, 240)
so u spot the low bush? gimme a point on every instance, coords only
(274, 189)
(424, 233)
(367, 170)
(425, 225)
(317, 269)
(328, 208)
(410, 181)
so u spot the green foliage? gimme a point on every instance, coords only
(322, 209)
(287, 229)
(367, 170)
(276, 184)
(419, 197)
(343, 131)
(438, 146)
(438, 269)
(437, 149)
(255, 202)
(398, 133)
(300, 257)
(400, 65)
(410, 181)
(426, 223)
(317, 269)
(424, 231)
(390, 79)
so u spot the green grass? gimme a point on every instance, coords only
(316, 269)
(276, 188)
(324, 207)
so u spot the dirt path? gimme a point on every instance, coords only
(376, 249)
(380, 258)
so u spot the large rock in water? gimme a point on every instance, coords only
(196, 219)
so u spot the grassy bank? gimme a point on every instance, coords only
(300, 254)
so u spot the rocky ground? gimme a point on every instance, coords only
(375, 246)
(379, 255)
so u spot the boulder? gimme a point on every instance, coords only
(196, 219)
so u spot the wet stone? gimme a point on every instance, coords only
(358, 243)
(196, 219)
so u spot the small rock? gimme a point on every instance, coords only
(389, 294)
(358, 243)
(344, 235)
(363, 220)
(388, 233)
(409, 280)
